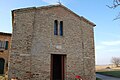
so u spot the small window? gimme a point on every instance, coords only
(6, 45)
(0, 44)
(55, 27)
(3, 45)
(61, 28)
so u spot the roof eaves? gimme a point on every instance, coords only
(88, 21)
(81, 17)
(24, 9)
(2, 33)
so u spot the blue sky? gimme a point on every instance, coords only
(107, 31)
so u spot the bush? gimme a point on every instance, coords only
(107, 68)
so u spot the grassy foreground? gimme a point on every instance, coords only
(111, 73)
(98, 79)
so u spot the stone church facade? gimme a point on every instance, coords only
(51, 43)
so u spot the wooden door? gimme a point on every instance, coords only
(57, 67)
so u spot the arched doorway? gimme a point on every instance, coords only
(2, 62)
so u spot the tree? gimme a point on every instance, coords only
(116, 61)
(115, 4)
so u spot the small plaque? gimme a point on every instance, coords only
(58, 46)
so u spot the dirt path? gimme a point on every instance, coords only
(106, 77)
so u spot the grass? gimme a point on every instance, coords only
(98, 79)
(110, 73)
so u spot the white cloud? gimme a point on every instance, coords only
(108, 45)
(51, 1)
(105, 50)
(111, 43)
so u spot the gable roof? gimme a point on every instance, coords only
(51, 6)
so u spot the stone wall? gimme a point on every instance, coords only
(34, 41)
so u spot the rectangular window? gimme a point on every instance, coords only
(55, 27)
(6, 45)
(61, 28)
(3, 45)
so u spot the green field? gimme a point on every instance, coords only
(110, 73)
(98, 79)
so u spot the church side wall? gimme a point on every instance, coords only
(89, 51)
(21, 45)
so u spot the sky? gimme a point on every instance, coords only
(107, 30)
